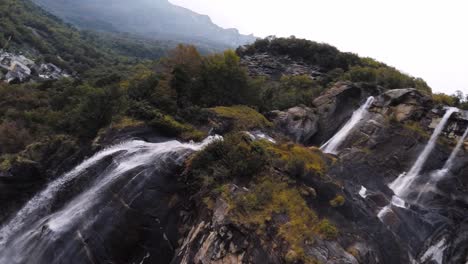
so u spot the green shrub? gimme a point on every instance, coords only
(386, 76)
(223, 82)
(338, 201)
(234, 157)
(13, 137)
(417, 128)
(444, 99)
(296, 160)
(327, 229)
(168, 126)
(244, 118)
(289, 92)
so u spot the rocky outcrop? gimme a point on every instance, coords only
(387, 144)
(274, 67)
(300, 123)
(336, 105)
(19, 69)
(171, 219)
(405, 104)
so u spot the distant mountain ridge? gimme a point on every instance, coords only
(158, 19)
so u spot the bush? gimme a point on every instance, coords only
(323, 55)
(94, 110)
(13, 137)
(270, 197)
(457, 100)
(223, 82)
(327, 229)
(234, 157)
(443, 99)
(385, 76)
(296, 160)
(168, 126)
(289, 92)
(338, 201)
(243, 117)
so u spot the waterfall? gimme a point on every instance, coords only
(403, 182)
(449, 163)
(332, 145)
(40, 234)
(439, 174)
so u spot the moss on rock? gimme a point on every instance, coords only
(168, 126)
(243, 117)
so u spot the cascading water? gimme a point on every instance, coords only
(401, 185)
(449, 163)
(40, 234)
(439, 174)
(332, 145)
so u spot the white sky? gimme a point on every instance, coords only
(425, 38)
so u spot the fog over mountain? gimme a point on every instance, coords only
(156, 19)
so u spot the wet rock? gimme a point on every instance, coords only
(300, 123)
(331, 252)
(336, 106)
(18, 182)
(405, 104)
(28, 171)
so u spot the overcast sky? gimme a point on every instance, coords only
(425, 38)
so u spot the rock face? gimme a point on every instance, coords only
(265, 64)
(19, 69)
(386, 145)
(300, 123)
(168, 221)
(23, 175)
(406, 103)
(135, 221)
(336, 106)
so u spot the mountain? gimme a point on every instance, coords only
(285, 151)
(153, 19)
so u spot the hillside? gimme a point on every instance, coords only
(159, 20)
(285, 151)
(27, 29)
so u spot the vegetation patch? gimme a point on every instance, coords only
(5, 162)
(236, 157)
(417, 128)
(125, 122)
(298, 161)
(327, 229)
(290, 91)
(273, 202)
(458, 99)
(167, 125)
(338, 201)
(244, 117)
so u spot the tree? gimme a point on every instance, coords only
(185, 57)
(223, 82)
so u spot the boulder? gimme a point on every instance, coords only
(336, 105)
(299, 123)
(404, 104)
(21, 69)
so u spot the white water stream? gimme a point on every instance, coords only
(332, 145)
(22, 239)
(403, 183)
(440, 174)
